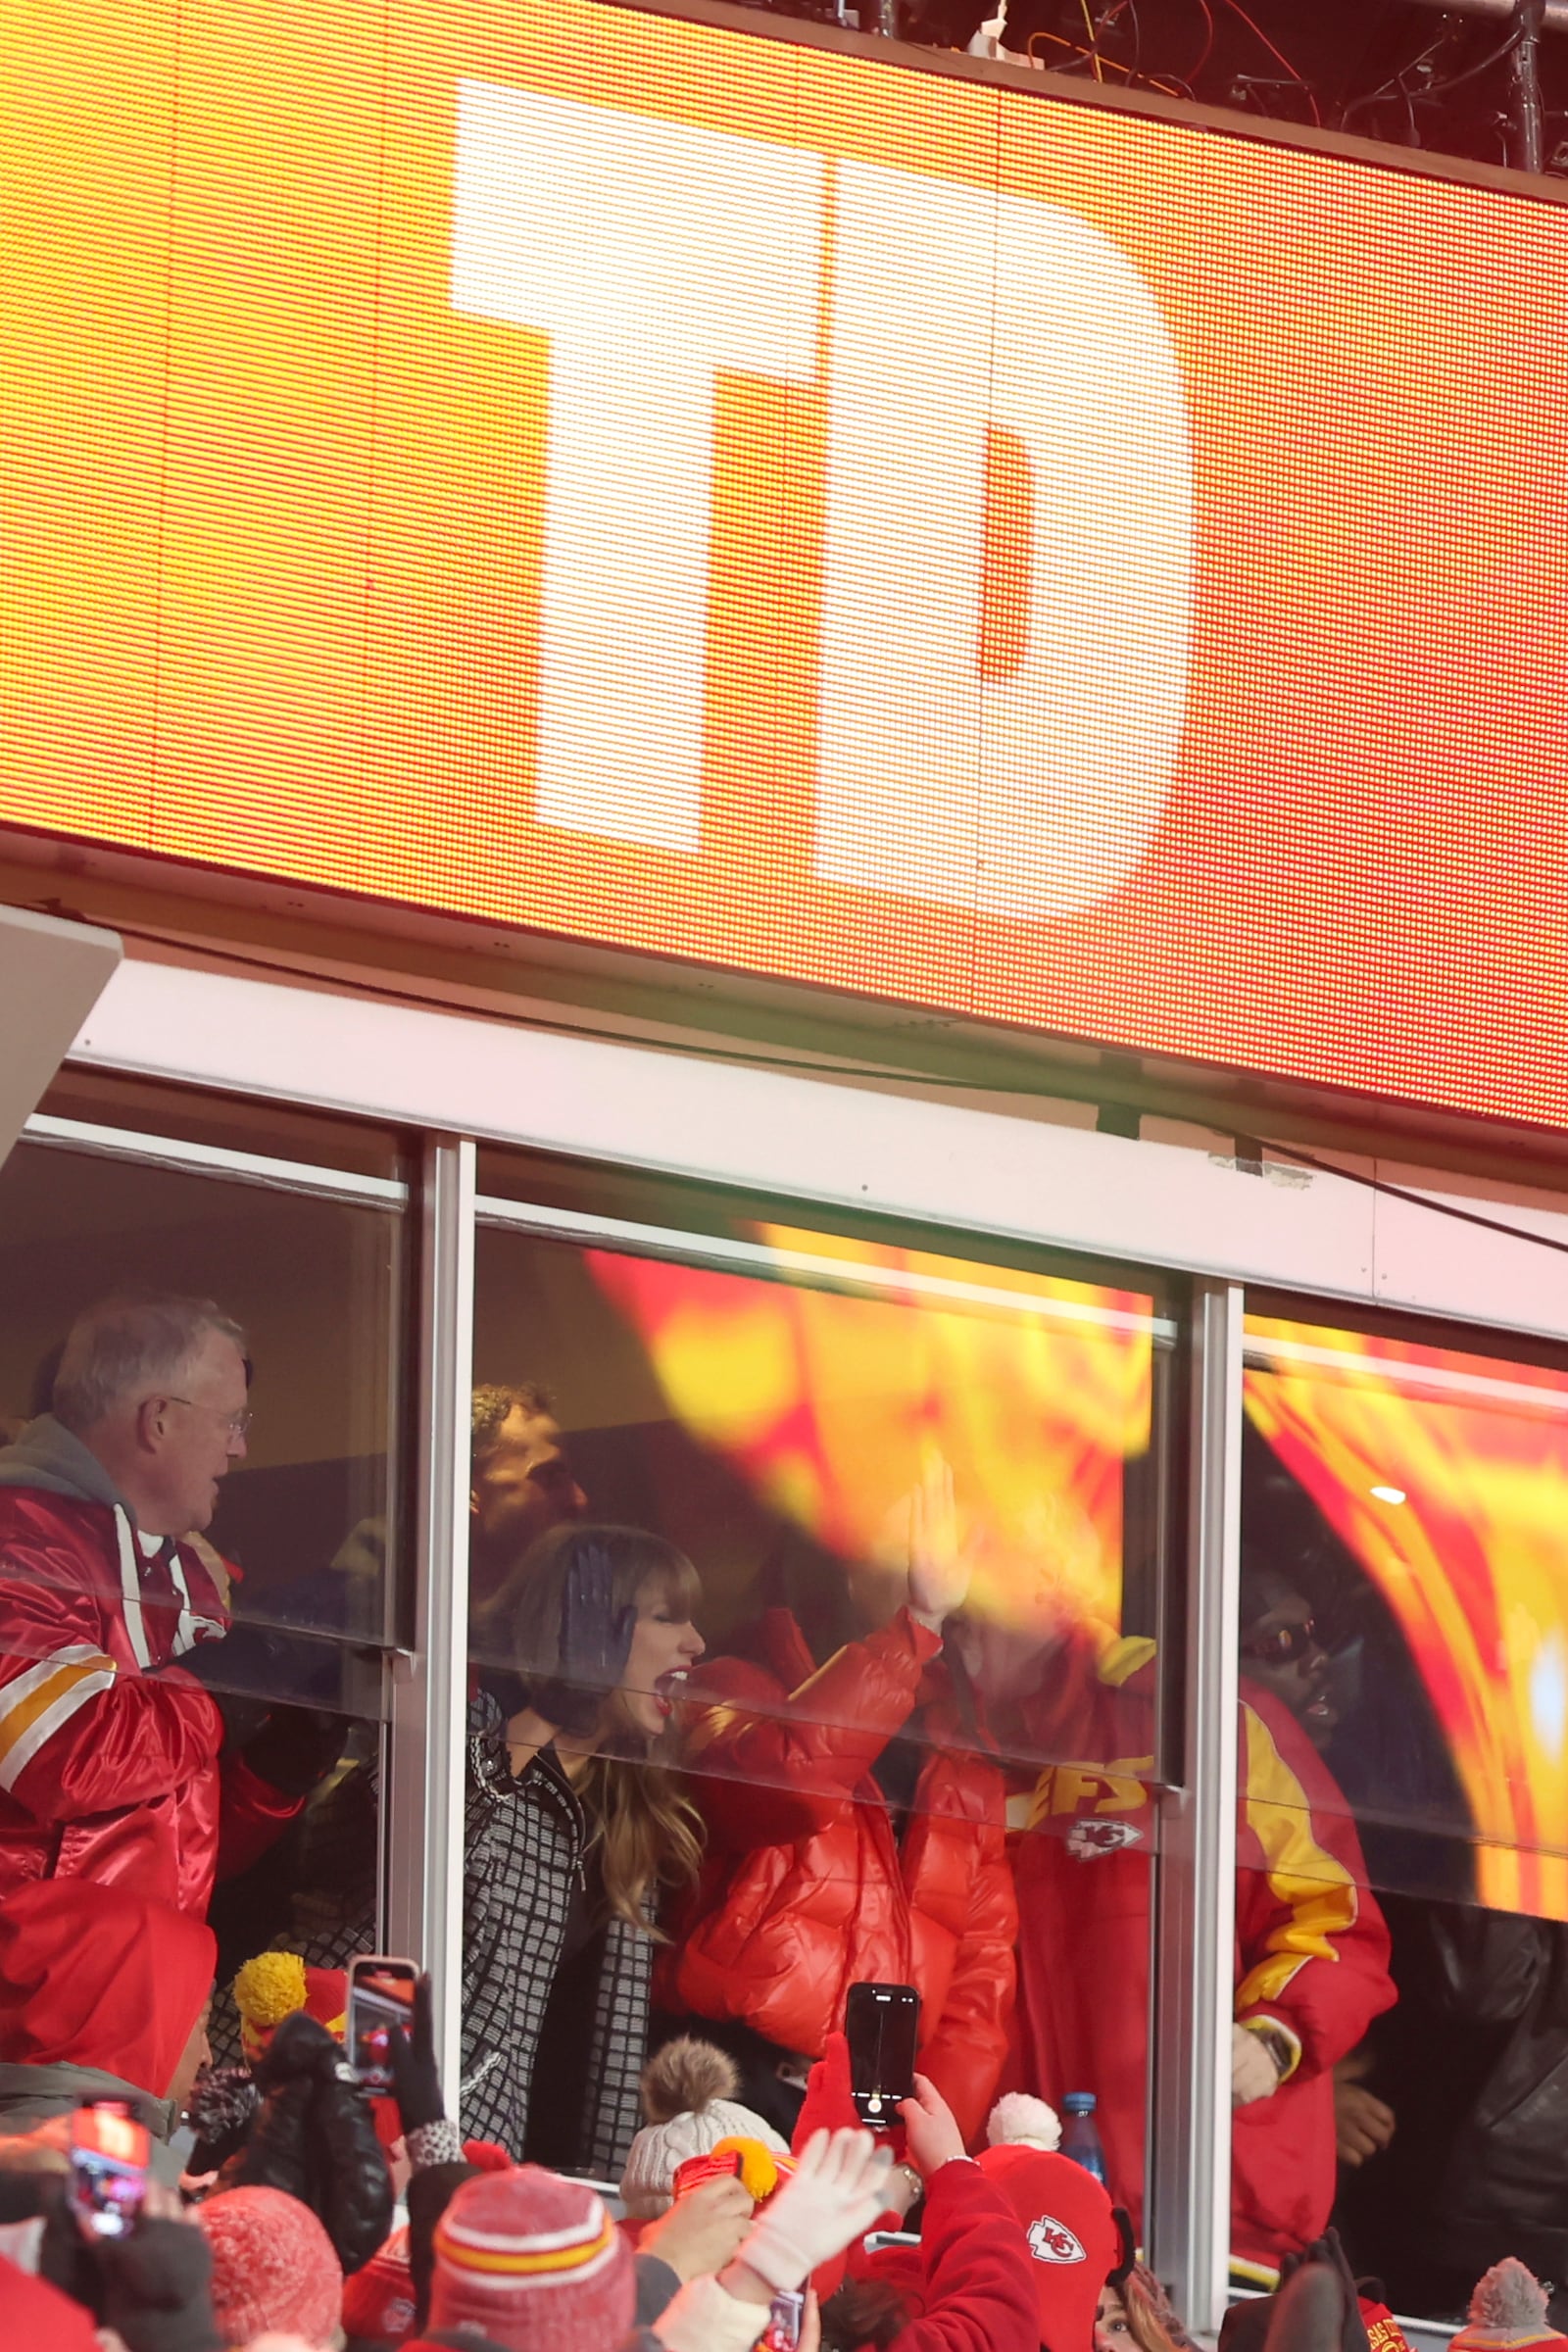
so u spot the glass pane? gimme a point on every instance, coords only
(232, 1122)
(1405, 1769)
(286, 1522)
(801, 1428)
(922, 1499)
(302, 1514)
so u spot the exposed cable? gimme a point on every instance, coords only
(1396, 86)
(1207, 50)
(1400, 1191)
(1092, 51)
(1280, 58)
(1484, 64)
(1145, 82)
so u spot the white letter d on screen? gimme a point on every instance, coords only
(1035, 793)
(655, 255)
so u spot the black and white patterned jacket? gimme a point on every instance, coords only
(524, 1841)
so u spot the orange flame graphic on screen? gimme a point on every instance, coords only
(833, 1403)
(1472, 1558)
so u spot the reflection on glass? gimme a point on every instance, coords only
(1404, 1605)
(270, 1547)
(788, 1430)
(920, 1495)
(1423, 1491)
(315, 1284)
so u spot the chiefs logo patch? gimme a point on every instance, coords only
(1051, 2241)
(1088, 1839)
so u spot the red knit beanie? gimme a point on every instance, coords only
(535, 2262)
(1071, 2228)
(273, 2267)
(378, 2300)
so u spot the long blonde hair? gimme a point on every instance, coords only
(645, 1833)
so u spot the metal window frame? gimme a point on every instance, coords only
(423, 1815)
(1195, 1905)
(730, 1254)
(188, 1158)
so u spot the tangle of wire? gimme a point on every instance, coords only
(1096, 58)
(1398, 85)
(1098, 62)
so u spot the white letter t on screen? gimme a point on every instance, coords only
(652, 255)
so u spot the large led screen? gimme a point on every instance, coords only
(743, 500)
(1413, 1496)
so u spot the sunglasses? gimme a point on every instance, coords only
(1283, 1645)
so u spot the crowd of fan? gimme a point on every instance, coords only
(308, 2216)
(842, 1812)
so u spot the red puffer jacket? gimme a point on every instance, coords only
(109, 1763)
(806, 1890)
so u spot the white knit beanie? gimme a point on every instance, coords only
(689, 2099)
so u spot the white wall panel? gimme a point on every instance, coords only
(778, 1133)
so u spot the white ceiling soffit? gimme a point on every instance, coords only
(795, 1138)
(52, 974)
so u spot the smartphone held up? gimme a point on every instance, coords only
(882, 2025)
(108, 2156)
(381, 1997)
(784, 2316)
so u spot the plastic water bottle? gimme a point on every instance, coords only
(1080, 2138)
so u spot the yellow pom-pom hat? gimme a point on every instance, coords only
(277, 1984)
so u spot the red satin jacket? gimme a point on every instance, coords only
(1311, 1948)
(806, 1888)
(109, 1762)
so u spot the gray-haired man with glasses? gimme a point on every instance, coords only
(108, 1750)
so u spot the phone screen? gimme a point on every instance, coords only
(381, 1997)
(107, 2168)
(784, 2314)
(882, 2023)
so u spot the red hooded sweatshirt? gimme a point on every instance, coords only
(94, 1980)
(971, 2281)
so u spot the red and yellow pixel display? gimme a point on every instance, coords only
(727, 499)
(1441, 1474)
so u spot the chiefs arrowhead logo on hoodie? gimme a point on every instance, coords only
(1051, 2241)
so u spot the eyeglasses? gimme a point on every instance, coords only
(237, 1424)
(1283, 1645)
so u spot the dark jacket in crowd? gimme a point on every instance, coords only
(314, 2139)
(1504, 2189)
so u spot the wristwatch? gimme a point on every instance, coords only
(916, 2179)
(1278, 2044)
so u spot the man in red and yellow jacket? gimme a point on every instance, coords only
(1312, 1948)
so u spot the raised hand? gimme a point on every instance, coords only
(594, 1644)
